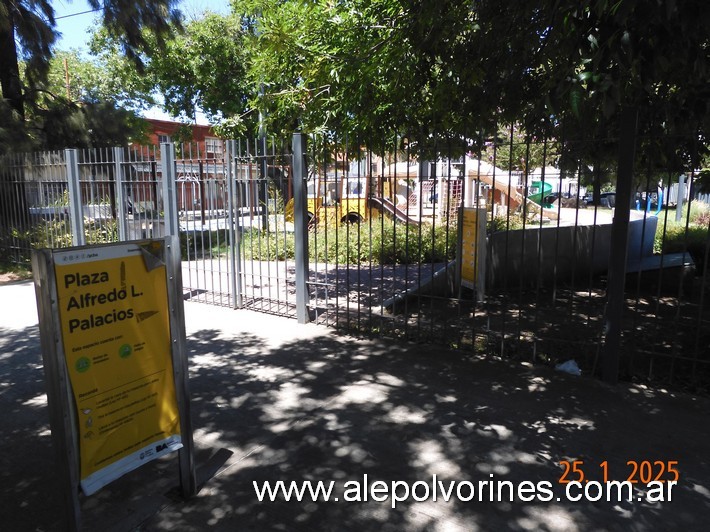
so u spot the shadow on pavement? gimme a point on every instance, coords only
(338, 408)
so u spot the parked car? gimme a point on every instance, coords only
(606, 199)
(551, 198)
(554, 196)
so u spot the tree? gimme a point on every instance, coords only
(91, 81)
(31, 25)
(200, 68)
(460, 67)
(455, 70)
(78, 104)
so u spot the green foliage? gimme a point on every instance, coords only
(506, 223)
(12, 130)
(275, 196)
(204, 66)
(54, 233)
(139, 27)
(264, 245)
(200, 66)
(232, 127)
(38, 109)
(383, 242)
(672, 237)
(456, 69)
(18, 271)
(94, 80)
(87, 112)
(380, 243)
(361, 66)
(514, 149)
(62, 124)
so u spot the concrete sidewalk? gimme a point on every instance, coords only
(272, 400)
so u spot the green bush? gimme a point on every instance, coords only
(676, 239)
(264, 245)
(502, 222)
(384, 242)
(379, 242)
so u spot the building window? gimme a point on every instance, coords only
(214, 147)
(164, 138)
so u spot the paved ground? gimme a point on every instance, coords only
(272, 400)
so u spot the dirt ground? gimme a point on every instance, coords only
(8, 278)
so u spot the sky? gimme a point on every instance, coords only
(74, 22)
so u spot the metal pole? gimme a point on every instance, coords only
(263, 183)
(59, 396)
(300, 214)
(186, 460)
(681, 197)
(167, 167)
(120, 196)
(75, 212)
(619, 241)
(233, 221)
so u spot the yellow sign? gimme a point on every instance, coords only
(113, 311)
(473, 249)
(468, 248)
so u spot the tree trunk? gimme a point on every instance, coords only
(9, 68)
(12, 188)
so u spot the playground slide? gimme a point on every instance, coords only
(385, 206)
(516, 198)
(545, 190)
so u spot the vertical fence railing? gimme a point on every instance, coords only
(378, 259)
(120, 194)
(234, 236)
(75, 205)
(167, 165)
(262, 219)
(204, 199)
(300, 227)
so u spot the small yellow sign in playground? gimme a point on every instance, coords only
(473, 250)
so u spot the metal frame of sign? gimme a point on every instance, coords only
(61, 401)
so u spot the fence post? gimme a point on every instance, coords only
(76, 214)
(263, 184)
(618, 247)
(167, 168)
(120, 196)
(300, 225)
(234, 230)
(681, 198)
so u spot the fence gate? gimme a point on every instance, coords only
(237, 244)
(264, 238)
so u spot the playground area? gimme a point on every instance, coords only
(394, 248)
(423, 191)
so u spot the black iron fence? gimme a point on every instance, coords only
(505, 249)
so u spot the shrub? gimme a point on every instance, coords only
(501, 222)
(377, 241)
(695, 240)
(383, 242)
